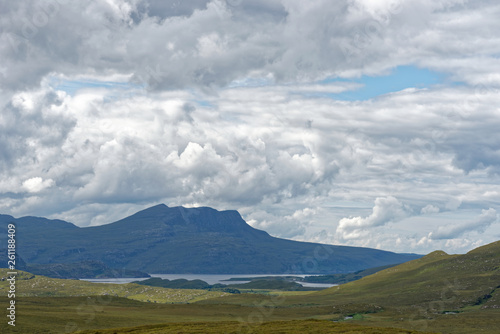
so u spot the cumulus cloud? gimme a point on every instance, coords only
(429, 209)
(249, 146)
(235, 104)
(290, 226)
(480, 224)
(386, 210)
(208, 44)
(37, 184)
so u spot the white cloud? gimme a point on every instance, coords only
(485, 219)
(234, 113)
(429, 209)
(290, 226)
(256, 147)
(209, 44)
(386, 210)
(37, 184)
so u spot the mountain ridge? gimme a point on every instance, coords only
(163, 239)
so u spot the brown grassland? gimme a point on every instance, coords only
(438, 293)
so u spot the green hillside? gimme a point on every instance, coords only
(175, 284)
(455, 281)
(343, 278)
(439, 292)
(29, 285)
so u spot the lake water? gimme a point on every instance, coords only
(210, 279)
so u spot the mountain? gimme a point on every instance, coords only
(4, 260)
(186, 240)
(83, 269)
(436, 282)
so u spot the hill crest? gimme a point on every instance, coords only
(163, 239)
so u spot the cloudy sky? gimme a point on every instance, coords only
(355, 122)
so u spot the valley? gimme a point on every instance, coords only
(435, 293)
(438, 293)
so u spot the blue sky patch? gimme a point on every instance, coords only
(400, 78)
(72, 86)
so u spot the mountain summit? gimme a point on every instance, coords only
(180, 240)
(202, 219)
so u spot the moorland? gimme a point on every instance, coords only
(438, 293)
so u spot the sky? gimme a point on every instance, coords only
(368, 123)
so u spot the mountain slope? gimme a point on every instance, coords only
(437, 281)
(449, 294)
(187, 240)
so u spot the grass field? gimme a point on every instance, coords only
(94, 314)
(29, 285)
(274, 327)
(449, 294)
(67, 314)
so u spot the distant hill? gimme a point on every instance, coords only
(186, 284)
(437, 281)
(174, 284)
(4, 260)
(186, 240)
(453, 294)
(343, 278)
(83, 269)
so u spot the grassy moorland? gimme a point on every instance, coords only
(29, 285)
(437, 282)
(274, 327)
(105, 314)
(438, 293)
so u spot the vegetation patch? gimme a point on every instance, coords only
(29, 285)
(343, 278)
(275, 327)
(186, 284)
